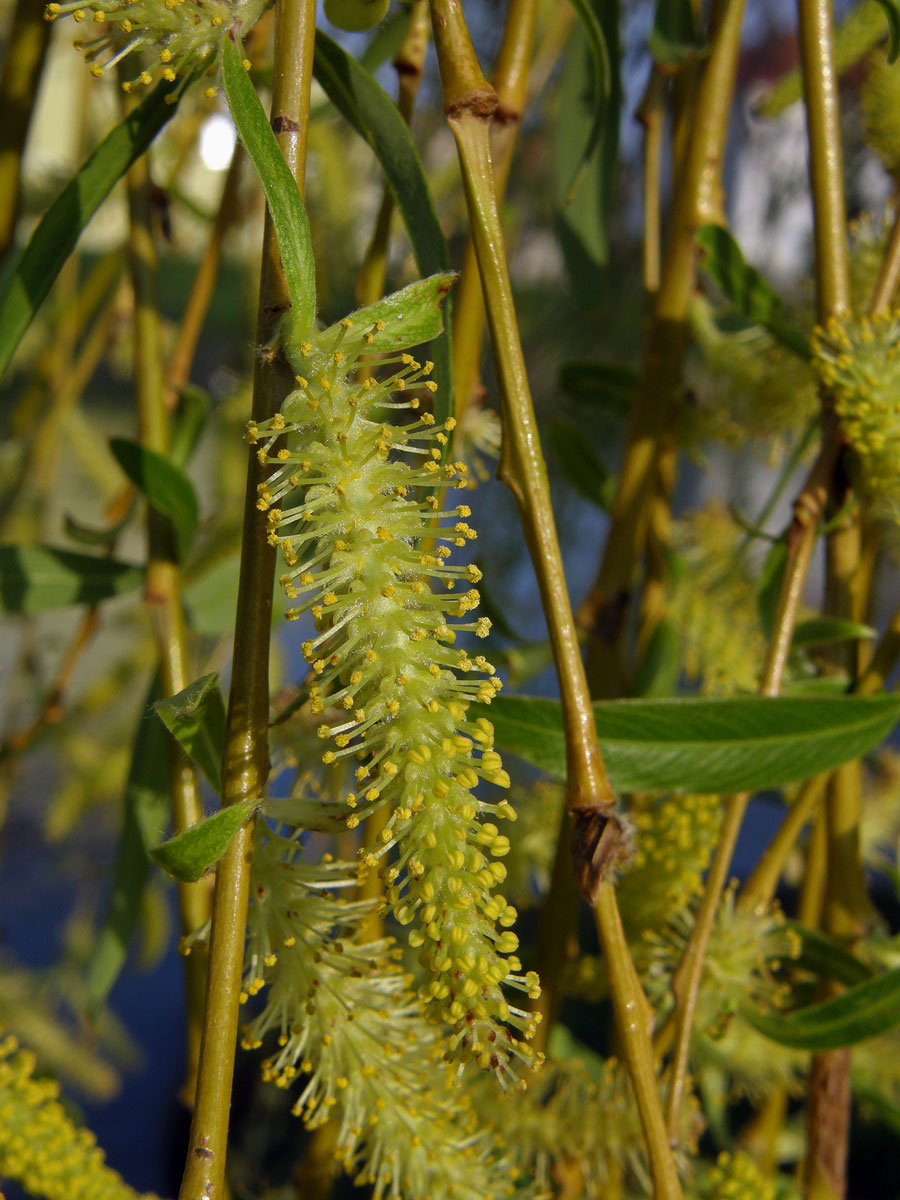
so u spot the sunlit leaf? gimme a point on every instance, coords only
(701, 744)
(408, 317)
(190, 854)
(376, 118)
(282, 194)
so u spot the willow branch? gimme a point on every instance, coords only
(468, 103)
(246, 760)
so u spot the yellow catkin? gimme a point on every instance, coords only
(40, 1146)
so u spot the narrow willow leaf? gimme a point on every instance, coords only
(658, 670)
(768, 585)
(146, 806)
(88, 535)
(409, 317)
(702, 744)
(578, 463)
(870, 1008)
(606, 386)
(37, 578)
(824, 631)
(582, 214)
(596, 43)
(28, 278)
(190, 854)
(748, 291)
(195, 717)
(891, 11)
(188, 420)
(375, 117)
(165, 486)
(674, 39)
(826, 957)
(282, 194)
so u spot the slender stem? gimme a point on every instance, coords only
(246, 763)
(162, 591)
(826, 161)
(829, 1092)
(651, 113)
(633, 1022)
(468, 103)
(510, 82)
(26, 49)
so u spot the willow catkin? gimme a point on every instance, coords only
(349, 500)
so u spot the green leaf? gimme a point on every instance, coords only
(596, 43)
(823, 631)
(88, 535)
(386, 40)
(376, 118)
(282, 194)
(195, 717)
(748, 291)
(188, 420)
(674, 39)
(27, 279)
(582, 213)
(891, 11)
(579, 464)
(190, 854)
(410, 317)
(37, 578)
(146, 805)
(605, 386)
(826, 957)
(165, 486)
(701, 744)
(870, 1008)
(658, 670)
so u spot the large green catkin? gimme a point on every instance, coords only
(344, 504)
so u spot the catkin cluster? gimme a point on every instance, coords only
(40, 1147)
(857, 360)
(350, 1035)
(350, 500)
(175, 39)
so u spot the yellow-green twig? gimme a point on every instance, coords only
(246, 763)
